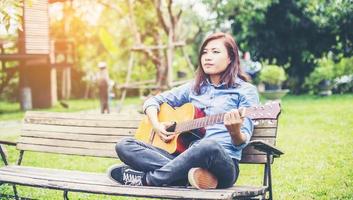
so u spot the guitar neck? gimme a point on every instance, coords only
(199, 123)
(268, 111)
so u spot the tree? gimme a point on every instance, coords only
(239, 14)
(130, 25)
(157, 36)
(290, 35)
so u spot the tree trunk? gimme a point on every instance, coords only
(66, 83)
(170, 52)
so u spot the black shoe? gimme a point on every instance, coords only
(125, 175)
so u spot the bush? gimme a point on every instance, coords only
(343, 76)
(323, 73)
(343, 84)
(272, 74)
(343, 67)
(337, 75)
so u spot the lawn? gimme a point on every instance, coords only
(314, 132)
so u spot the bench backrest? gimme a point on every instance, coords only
(96, 134)
(75, 134)
(265, 130)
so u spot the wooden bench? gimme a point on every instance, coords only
(96, 135)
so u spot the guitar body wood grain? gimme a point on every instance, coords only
(169, 114)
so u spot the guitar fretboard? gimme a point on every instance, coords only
(199, 123)
(268, 111)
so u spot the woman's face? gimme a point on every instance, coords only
(214, 58)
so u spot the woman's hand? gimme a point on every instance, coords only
(233, 121)
(160, 129)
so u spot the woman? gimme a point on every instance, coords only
(212, 162)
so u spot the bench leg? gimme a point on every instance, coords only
(15, 192)
(269, 176)
(3, 155)
(20, 157)
(265, 181)
(65, 195)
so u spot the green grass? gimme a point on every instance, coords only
(316, 136)
(315, 133)
(12, 111)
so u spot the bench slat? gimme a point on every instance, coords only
(110, 190)
(109, 146)
(85, 122)
(75, 129)
(30, 129)
(271, 140)
(39, 178)
(58, 174)
(84, 116)
(68, 151)
(265, 123)
(264, 132)
(75, 137)
(254, 159)
(55, 118)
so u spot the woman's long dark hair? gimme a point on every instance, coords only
(233, 70)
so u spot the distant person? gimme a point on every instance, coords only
(103, 85)
(249, 66)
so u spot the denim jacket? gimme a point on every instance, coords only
(214, 99)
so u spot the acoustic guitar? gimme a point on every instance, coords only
(189, 123)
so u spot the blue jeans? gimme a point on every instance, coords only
(164, 169)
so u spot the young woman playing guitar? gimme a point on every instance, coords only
(220, 86)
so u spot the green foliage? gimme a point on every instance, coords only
(112, 37)
(343, 73)
(108, 41)
(272, 74)
(327, 70)
(324, 12)
(323, 72)
(343, 67)
(242, 14)
(293, 32)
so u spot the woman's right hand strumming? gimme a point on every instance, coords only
(159, 127)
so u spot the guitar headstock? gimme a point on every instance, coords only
(270, 110)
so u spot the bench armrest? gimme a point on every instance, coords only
(8, 143)
(266, 147)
